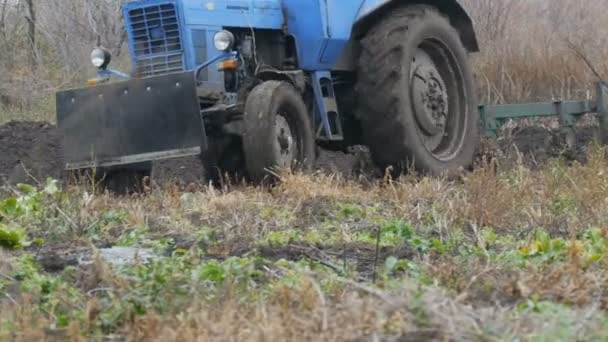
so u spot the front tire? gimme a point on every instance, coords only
(417, 99)
(277, 131)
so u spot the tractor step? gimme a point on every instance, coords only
(327, 118)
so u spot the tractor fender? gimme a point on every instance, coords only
(372, 9)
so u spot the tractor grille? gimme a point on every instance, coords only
(156, 39)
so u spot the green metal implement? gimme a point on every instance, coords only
(494, 116)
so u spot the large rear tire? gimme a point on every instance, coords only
(416, 94)
(277, 131)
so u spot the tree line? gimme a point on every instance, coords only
(531, 49)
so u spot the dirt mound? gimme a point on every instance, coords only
(29, 148)
(182, 171)
(356, 161)
(535, 145)
(33, 149)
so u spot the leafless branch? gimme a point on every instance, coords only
(578, 52)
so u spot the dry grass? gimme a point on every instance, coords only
(531, 49)
(491, 278)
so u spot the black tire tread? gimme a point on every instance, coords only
(258, 122)
(379, 72)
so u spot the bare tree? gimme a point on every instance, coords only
(31, 31)
(492, 17)
(3, 6)
(46, 44)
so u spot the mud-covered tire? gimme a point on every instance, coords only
(394, 117)
(277, 131)
(124, 180)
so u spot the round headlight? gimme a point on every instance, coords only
(223, 40)
(100, 58)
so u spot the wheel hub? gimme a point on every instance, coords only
(285, 146)
(429, 99)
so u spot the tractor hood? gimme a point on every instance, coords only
(265, 14)
(167, 36)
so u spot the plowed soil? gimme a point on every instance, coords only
(31, 150)
(31, 146)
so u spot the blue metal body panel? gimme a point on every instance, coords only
(212, 16)
(261, 14)
(321, 28)
(198, 22)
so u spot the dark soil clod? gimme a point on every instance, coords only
(29, 149)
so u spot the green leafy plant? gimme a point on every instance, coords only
(281, 238)
(545, 248)
(57, 298)
(13, 238)
(397, 232)
(29, 207)
(10, 208)
(595, 243)
(348, 210)
(393, 265)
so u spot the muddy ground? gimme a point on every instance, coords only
(32, 150)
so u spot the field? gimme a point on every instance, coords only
(516, 250)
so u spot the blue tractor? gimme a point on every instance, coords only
(257, 85)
